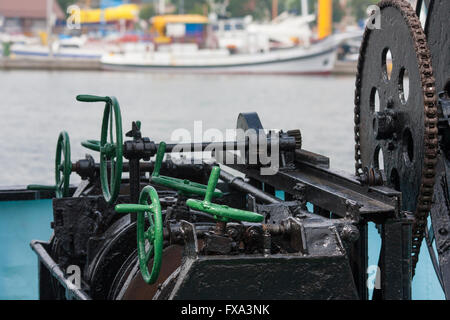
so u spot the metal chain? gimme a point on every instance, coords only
(423, 54)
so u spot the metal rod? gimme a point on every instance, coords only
(56, 271)
(284, 144)
(240, 184)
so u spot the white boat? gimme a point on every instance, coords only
(317, 58)
(74, 47)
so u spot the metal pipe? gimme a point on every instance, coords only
(285, 144)
(56, 271)
(240, 184)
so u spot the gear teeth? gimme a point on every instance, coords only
(423, 56)
(297, 134)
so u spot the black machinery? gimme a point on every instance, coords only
(200, 232)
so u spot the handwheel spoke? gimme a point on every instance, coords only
(150, 234)
(112, 171)
(60, 184)
(148, 254)
(111, 126)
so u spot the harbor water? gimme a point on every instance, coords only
(36, 106)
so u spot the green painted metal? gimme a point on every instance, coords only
(110, 147)
(92, 98)
(221, 212)
(63, 168)
(91, 144)
(183, 186)
(154, 234)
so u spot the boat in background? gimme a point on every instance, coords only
(318, 58)
(188, 43)
(66, 47)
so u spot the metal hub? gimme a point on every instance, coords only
(395, 111)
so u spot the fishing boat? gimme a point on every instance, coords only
(317, 58)
(190, 43)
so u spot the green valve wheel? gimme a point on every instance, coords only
(150, 242)
(63, 168)
(110, 146)
(184, 186)
(221, 212)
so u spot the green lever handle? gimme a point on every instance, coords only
(125, 208)
(182, 185)
(92, 98)
(221, 212)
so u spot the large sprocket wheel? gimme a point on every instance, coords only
(402, 130)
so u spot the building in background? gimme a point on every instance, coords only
(25, 16)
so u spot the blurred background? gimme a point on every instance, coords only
(169, 63)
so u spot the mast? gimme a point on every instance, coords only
(162, 6)
(324, 24)
(304, 4)
(274, 9)
(49, 27)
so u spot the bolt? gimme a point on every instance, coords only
(391, 146)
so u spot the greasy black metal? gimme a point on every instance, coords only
(332, 191)
(109, 252)
(296, 272)
(285, 143)
(437, 30)
(444, 123)
(72, 292)
(358, 256)
(134, 156)
(410, 152)
(312, 158)
(249, 120)
(290, 277)
(395, 262)
(240, 184)
(15, 193)
(429, 239)
(77, 220)
(440, 218)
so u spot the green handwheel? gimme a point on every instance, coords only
(221, 212)
(184, 186)
(110, 146)
(63, 168)
(154, 233)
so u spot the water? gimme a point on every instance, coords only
(36, 106)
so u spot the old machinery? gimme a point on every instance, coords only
(191, 229)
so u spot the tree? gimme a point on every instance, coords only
(65, 3)
(338, 12)
(147, 11)
(193, 6)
